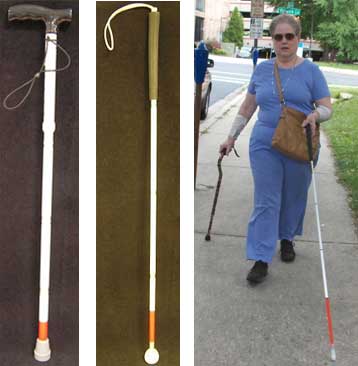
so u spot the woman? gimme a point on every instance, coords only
(281, 183)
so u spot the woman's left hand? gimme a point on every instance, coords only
(311, 120)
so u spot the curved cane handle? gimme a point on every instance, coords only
(51, 17)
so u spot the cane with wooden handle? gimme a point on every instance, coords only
(151, 355)
(52, 19)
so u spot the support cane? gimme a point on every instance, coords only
(52, 18)
(151, 355)
(328, 306)
(218, 184)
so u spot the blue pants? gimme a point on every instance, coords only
(281, 187)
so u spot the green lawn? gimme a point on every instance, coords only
(342, 131)
(338, 65)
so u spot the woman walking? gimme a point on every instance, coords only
(281, 183)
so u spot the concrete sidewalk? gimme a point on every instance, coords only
(281, 322)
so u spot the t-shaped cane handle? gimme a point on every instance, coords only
(51, 17)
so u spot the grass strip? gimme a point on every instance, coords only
(338, 65)
(342, 131)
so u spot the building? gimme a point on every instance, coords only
(212, 16)
(217, 15)
(199, 20)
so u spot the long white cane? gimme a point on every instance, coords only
(324, 277)
(52, 18)
(151, 355)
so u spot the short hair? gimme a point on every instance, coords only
(286, 19)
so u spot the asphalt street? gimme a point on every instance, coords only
(227, 77)
(281, 322)
(229, 74)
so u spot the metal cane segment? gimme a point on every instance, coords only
(151, 355)
(52, 18)
(324, 276)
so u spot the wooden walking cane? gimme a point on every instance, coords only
(52, 18)
(151, 355)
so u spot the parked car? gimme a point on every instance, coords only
(244, 52)
(206, 91)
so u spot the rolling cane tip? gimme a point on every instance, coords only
(42, 350)
(207, 237)
(151, 356)
(333, 354)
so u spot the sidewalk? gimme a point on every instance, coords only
(281, 322)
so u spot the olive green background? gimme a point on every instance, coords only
(21, 145)
(123, 200)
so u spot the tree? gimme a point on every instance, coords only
(310, 17)
(333, 22)
(235, 30)
(339, 30)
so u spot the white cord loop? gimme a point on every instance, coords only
(108, 29)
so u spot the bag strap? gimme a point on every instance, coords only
(278, 82)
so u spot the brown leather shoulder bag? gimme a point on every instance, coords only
(289, 137)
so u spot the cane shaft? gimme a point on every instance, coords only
(216, 194)
(323, 266)
(153, 219)
(47, 179)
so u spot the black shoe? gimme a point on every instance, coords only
(287, 252)
(258, 272)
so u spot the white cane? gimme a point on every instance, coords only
(52, 18)
(324, 277)
(151, 355)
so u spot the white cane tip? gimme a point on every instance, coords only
(333, 354)
(151, 356)
(42, 350)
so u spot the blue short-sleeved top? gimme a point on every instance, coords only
(302, 86)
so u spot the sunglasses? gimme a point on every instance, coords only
(289, 36)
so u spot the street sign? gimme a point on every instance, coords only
(291, 11)
(300, 49)
(257, 8)
(256, 27)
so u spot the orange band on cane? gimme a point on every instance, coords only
(151, 326)
(329, 318)
(43, 331)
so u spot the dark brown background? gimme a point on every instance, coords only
(123, 163)
(21, 55)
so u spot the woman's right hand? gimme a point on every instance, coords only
(226, 147)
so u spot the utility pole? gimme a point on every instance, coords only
(311, 33)
(256, 23)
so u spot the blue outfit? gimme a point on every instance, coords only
(281, 183)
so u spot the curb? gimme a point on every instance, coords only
(221, 107)
(339, 71)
